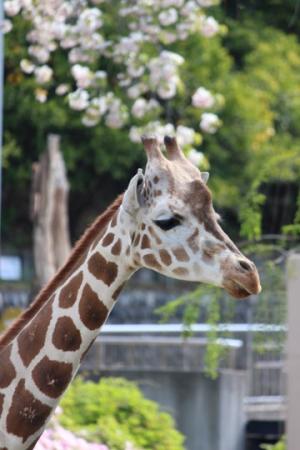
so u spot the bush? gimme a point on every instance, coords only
(114, 411)
(281, 445)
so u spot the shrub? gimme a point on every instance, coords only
(114, 411)
(281, 445)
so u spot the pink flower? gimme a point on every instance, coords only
(202, 98)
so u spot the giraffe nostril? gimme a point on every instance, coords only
(245, 265)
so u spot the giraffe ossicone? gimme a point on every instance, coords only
(165, 221)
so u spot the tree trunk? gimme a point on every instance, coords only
(49, 199)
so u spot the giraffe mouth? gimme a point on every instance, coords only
(240, 291)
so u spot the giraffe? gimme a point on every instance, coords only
(164, 221)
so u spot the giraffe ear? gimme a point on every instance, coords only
(205, 177)
(133, 197)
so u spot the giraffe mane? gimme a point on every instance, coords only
(87, 238)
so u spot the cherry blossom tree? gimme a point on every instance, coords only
(124, 65)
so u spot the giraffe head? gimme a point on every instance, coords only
(176, 228)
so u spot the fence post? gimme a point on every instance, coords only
(293, 352)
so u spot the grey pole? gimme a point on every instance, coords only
(293, 352)
(1, 109)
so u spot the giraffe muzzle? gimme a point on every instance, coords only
(240, 278)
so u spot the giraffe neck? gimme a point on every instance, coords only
(38, 365)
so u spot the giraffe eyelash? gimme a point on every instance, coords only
(168, 224)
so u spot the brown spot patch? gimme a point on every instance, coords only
(107, 240)
(66, 336)
(8, 372)
(210, 250)
(152, 262)
(31, 340)
(153, 234)
(180, 254)
(157, 193)
(165, 257)
(114, 220)
(52, 377)
(1, 403)
(91, 309)
(155, 179)
(117, 292)
(102, 269)
(180, 271)
(68, 294)
(26, 414)
(116, 250)
(145, 242)
(192, 241)
(137, 239)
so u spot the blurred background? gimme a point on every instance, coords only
(83, 80)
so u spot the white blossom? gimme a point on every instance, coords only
(41, 95)
(79, 100)
(168, 3)
(82, 75)
(90, 19)
(185, 135)
(195, 157)
(202, 98)
(116, 115)
(139, 108)
(172, 56)
(26, 4)
(209, 123)
(40, 53)
(168, 17)
(76, 27)
(135, 134)
(62, 89)
(89, 121)
(209, 27)
(99, 104)
(12, 7)
(96, 109)
(136, 90)
(27, 66)
(167, 91)
(155, 128)
(5, 26)
(43, 74)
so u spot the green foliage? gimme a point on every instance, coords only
(294, 228)
(281, 445)
(115, 411)
(207, 299)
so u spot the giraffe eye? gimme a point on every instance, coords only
(168, 224)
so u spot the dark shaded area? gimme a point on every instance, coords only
(263, 432)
